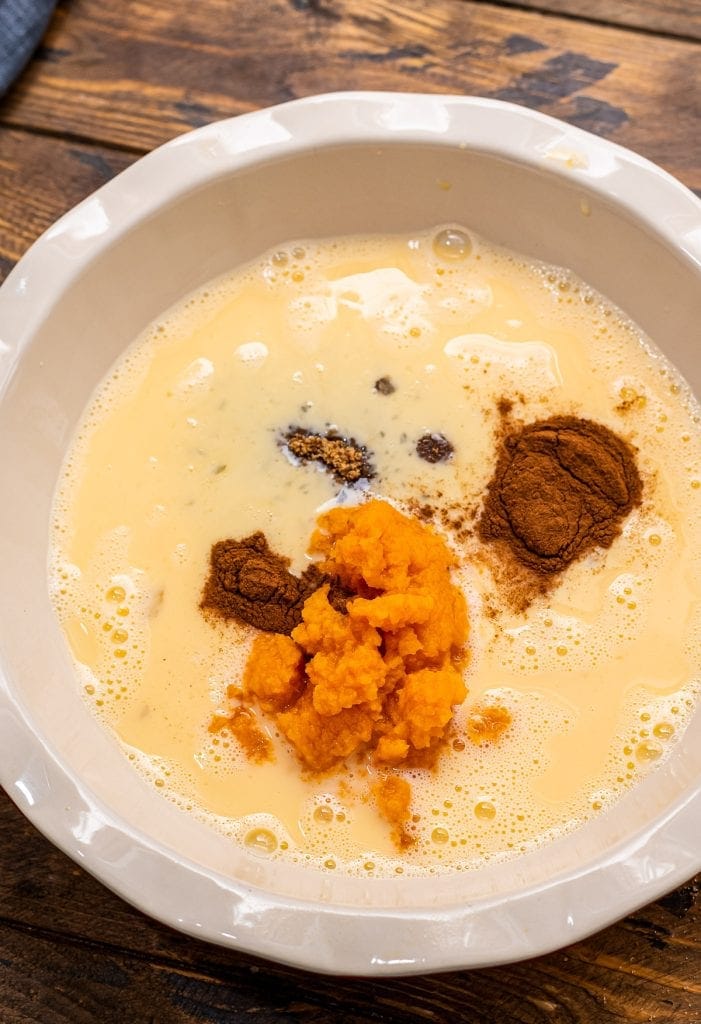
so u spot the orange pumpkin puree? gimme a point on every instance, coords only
(381, 680)
(486, 724)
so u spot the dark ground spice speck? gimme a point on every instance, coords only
(434, 448)
(385, 386)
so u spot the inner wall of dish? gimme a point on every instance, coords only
(201, 234)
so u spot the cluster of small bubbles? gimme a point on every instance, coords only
(625, 598)
(648, 750)
(118, 635)
(116, 644)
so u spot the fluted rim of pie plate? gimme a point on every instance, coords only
(320, 936)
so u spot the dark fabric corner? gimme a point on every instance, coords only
(22, 24)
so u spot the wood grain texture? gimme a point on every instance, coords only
(41, 178)
(668, 17)
(116, 77)
(72, 953)
(131, 74)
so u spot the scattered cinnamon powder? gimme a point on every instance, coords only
(487, 724)
(256, 745)
(561, 487)
(242, 724)
(348, 460)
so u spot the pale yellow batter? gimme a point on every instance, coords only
(180, 448)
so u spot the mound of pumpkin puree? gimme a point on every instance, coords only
(378, 680)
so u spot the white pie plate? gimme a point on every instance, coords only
(327, 165)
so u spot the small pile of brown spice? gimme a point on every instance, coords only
(561, 487)
(250, 583)
(347, 460)
(385, 386)
(434, 448)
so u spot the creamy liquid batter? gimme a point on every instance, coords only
(180, 448)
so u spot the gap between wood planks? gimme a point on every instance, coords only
(74, 138)
(620, 24)
(155, 960)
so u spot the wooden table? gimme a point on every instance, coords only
(112, 79)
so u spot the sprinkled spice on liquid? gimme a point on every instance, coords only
(434, 448)
(252, 584)
(347, 460)
(561, 487)
(384, 386)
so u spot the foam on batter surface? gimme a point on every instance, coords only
(385, 340)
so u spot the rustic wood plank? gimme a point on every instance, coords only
(667, 17)
(41, 178)
(133, 74)
(72, 952)
(48, 983)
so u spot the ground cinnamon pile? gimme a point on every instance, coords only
(347, 460)
(561, 487)
(250, 583)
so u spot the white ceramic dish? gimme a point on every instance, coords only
(187, 212)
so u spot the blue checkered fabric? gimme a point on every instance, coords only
(22, 24)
